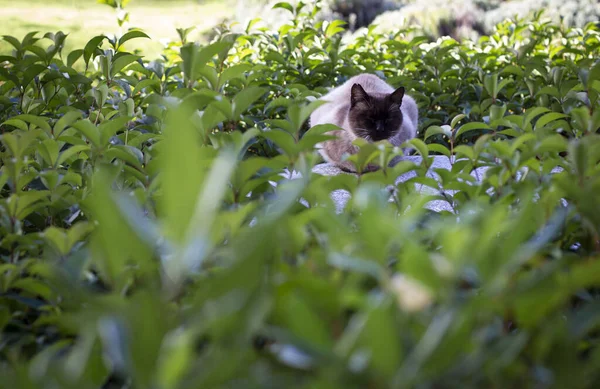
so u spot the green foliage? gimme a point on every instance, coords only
(472, 18)
(152, 236)
(119, 6)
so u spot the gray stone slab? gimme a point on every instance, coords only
(341, 197)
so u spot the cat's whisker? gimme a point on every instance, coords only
(363, 133)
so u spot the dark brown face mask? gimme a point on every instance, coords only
(375, 118)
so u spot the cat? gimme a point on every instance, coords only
(365, 106)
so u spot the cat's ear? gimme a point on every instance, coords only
(357, 94)
(397, 95)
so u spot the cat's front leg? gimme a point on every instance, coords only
(371, 168)
(349, 167)
(346, 166)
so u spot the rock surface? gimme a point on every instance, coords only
(341, 197)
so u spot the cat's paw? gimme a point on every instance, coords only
(370, 168)
(395, 161)
(347, 168)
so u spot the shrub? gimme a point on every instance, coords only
(436, 18)
(472, 18)
(144, 242)
(360, 13)
(356, 13)
(576, 13)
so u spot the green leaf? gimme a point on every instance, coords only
(277, 57)
(30, 73)
(26, 203)
(309, 141)
(49, 151)
(511, 69)
(132, 34)
(20, 124)
(5, 317)
(282, 139)
(64, 240)
(233, 72)
(109, 128)
(33, 287)
(374, 331)
(117, 239)
(439, 149)
(243, 100)
(279, 102)
(9, 76)
(472, 126)
(13, 41)
(177, 354)
(74, 56)
(196, 243)
(420, 146)
(530, 114)
(70, 152)
(149, 82)
(36, 121)
(100, 95)
(65, 121)
(434, 130)
(188, 55)
(225, 107)
(285, 125)
(457, 119)
(125, 154)
(195, 58)
(303, 321)
(490, 81)
(497, 112)
(89, 130)
(284, 5)
(91, 46)
(121, 62)
(321, 129)
(466, 151)
(334, 28)
(298, 114)
(181, 187)
(554, 143)
(504, 83)
(549, 90)
(547, 118)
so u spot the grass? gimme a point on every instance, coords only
(84, 19)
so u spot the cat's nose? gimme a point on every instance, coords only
(379, 126)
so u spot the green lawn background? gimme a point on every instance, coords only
(84, 19)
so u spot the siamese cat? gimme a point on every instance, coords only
(365, 106)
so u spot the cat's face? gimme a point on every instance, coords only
(375, 118)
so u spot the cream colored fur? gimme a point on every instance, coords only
(335, 111)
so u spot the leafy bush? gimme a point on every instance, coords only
(467, 19)
(360, 13)
(474, 18)
(152, 235)
(356, 13)
(575, 13)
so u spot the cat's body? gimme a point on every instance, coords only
(365, 106)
